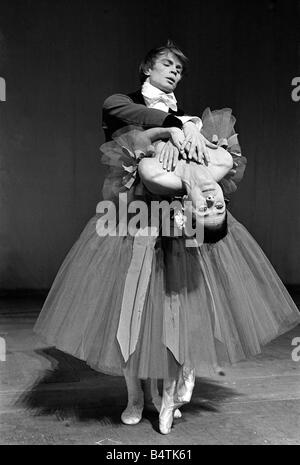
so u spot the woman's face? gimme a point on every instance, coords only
(166, 72)
(211, 207)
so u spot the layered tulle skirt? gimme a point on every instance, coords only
(152, 304)
(162, 305)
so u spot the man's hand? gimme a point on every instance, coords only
(195, 144)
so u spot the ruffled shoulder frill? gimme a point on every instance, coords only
(122, 156)
(130, 144)
(218, 127)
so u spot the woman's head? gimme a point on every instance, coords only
(210, 205)
(164, 66)
(209, 210)
(205, 193)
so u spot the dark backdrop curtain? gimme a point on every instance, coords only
(60, 59)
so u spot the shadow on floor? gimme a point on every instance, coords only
(72, 390)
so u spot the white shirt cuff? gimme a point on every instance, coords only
(194, 119)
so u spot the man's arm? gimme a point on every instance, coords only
(119, 111)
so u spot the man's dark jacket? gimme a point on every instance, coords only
(121, 110)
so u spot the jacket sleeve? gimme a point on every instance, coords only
(119, 111)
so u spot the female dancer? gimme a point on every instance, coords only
(151, 307)
(208, 207)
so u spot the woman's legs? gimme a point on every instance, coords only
(166, 405)
(133, 412)
(151, 394)
(176, 391)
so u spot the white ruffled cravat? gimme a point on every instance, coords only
(156, 98)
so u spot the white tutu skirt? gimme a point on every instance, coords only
(204, 306)
(153, 306)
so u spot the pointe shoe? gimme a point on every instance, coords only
(177, 413)
(185, 386)
(153, 399)
(166, 420)
(132, 415)
(166, 415)
(155, 404)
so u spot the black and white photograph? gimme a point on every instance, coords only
(149, 225)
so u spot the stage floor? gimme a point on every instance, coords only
(48, 397)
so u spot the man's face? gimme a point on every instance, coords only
(166, 72)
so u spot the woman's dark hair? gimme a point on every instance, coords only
(154, 53)
(215, 234)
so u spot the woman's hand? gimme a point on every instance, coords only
(169, 155)
(177, 137)
(170, 151)
(195, 144)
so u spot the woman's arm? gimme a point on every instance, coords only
(146, 138)
(160, 181)
(155, 134)
(220, 163)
